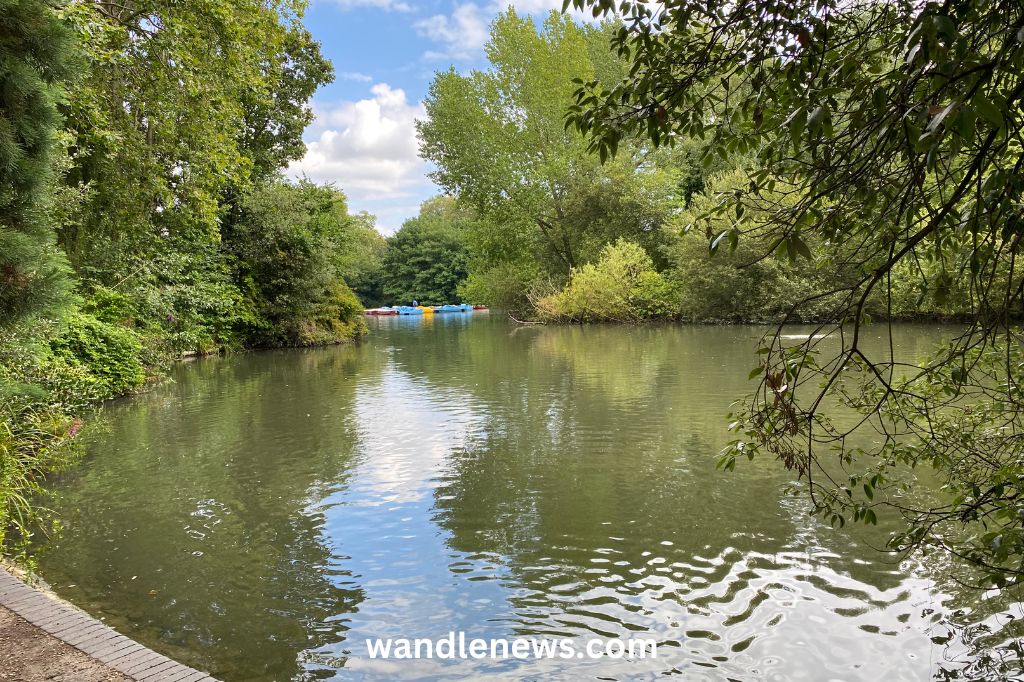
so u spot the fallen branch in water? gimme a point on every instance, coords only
(510, 316)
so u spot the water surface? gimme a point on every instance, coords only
(261, 515)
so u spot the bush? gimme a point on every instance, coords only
(34, 441)
(736, 287)
(38, 394)
(110, 352)
(622, 286)
(506, 286)
(338, 318)
(287, 248)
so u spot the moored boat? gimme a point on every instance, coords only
(425, 309)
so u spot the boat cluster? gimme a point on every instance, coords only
(425, 309)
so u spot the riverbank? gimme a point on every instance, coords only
(43, 637)
(29, 653)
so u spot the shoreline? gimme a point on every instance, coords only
(48, 638)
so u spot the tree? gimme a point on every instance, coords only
(426, 259)
(895, 129)
(180, 113)
(361, 259)
(36, 56)
(500, 144)
(285, 249)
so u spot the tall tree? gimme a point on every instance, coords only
(181, 112)
(895, 130)
(36, 55)
(361, 258)
(499, 143)
(181, 103)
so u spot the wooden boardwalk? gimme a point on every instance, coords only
(80, 630)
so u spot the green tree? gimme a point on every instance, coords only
(36, 54)
(285, 250)
(362, 259)
(180, 112)
(896, 130)
(622, 286)
(499, 143)
(426, 260)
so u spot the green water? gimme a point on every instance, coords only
(262, 515)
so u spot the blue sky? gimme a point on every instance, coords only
(385, 53)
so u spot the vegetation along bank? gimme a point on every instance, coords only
(592, 172)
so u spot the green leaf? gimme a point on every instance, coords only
(988, 110)
(802, 248)
(797, 122)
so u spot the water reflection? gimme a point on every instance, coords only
(265, 514)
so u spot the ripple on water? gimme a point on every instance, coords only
(278, 509)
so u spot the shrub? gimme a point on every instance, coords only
(38, 394)
(35, 440)
(737, 286)
(622, 286)
(338, 318)
(286, 248)
(111, 352)
(506, 286)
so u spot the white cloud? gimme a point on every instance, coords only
(463, 33)
(368, 148)
(355, 76)
(542, 7)
(533, 6)
(387, 5)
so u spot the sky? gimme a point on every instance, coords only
(385, 53)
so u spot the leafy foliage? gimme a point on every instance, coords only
(622, 286)
(426, 260)
(499, 143)
(285, 248)
(361, 259)
(894, 131)
(36, 57)
(108, 351)
(174, 115)
(36, 54)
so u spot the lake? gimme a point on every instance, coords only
(261, 516)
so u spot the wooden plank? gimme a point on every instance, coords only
(123, 653)
(97, 632)
(77, 630)
(55, 618)
(107, 647)
(25, 601)
(163, 663)
(84, 634)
